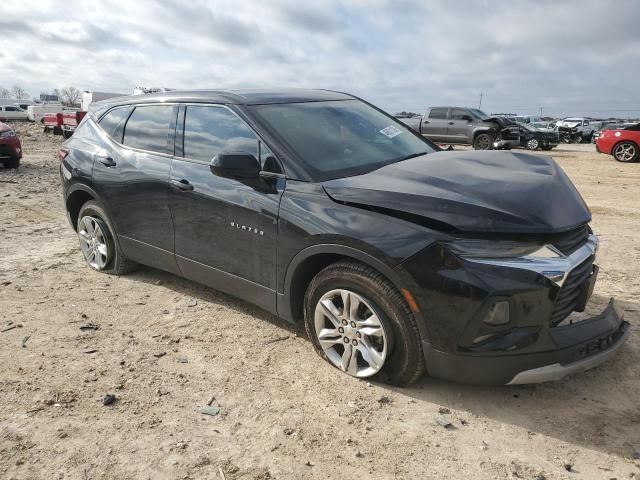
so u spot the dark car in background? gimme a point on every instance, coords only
(10, 147)
(535, 138)
(321, 208)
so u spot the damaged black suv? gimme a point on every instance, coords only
(321, 208)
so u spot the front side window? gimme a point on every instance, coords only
(340, 138)
(149, 127)
(459, 114)
(438, 113)
(11, 109)
(210, 130)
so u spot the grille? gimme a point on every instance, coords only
(569, 294)
(570, 241)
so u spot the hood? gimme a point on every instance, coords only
(472, 191)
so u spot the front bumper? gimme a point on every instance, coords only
(579, 347)
(538, 340)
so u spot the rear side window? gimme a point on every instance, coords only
(113, 121)
(149, 128)
(438, 113)
(210, 130)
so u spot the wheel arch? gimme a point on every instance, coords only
(307, 263)
(78, 195)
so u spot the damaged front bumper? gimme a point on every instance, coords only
(578, 347)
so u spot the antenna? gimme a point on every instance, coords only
(480, 105)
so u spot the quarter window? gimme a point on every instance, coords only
(438, 113)
(211, 130)
(114, 119)
(148, 128)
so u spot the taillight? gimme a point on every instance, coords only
(62, 154)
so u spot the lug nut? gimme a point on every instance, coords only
(341, 330)
(359, 335)
(353, 324)
(354, 342)
(346, 340)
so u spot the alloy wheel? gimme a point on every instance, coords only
(350, 333)
(625, 152)
(483, 142)
(93, 242)
(533, 144)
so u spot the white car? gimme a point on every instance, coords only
(12, 112)
(585, 126)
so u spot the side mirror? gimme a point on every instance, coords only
(235, 165)
(468, 118)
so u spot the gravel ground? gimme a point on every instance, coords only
(166, 348)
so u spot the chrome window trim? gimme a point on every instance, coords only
(556, 269)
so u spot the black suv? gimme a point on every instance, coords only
(321, 208)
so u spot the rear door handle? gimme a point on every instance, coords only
(106, 161)
(182, 185)
(452, 123)
(425, 121)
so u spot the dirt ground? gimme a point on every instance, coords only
(167, 348)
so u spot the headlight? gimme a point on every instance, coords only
(486, 249)
(7, 133)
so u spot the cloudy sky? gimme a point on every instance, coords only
(568, 57)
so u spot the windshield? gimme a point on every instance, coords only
(478, 114)
(341, 138)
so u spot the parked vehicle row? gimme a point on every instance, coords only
(471, 126)
(318, 207)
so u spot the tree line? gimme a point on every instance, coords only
(68, 95)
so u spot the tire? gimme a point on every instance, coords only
(626, 152)
(533, 144)
(112, 260)
(482, 141)
(396, 339)
(11, 163)
(66, 134)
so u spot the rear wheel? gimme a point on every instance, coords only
(626, 152)
(360, 324)
(482, 141)
(98, 241)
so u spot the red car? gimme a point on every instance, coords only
(623, 144)
(10, 148)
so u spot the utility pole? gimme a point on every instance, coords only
(480, 105)
(540, 111)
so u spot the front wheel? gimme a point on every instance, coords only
(360, 324)
(98, 241)
(533, 144)
(626, 152)
(482, 141)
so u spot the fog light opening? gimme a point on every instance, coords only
(498, 314)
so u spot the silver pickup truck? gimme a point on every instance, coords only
(460, 125)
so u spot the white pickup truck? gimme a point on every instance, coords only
(578, 128)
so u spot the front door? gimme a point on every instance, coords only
(225, 230)
(460, 126)
(131, 175)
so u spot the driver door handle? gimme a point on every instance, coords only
(182, 185)
(452, 123)
(106, 161)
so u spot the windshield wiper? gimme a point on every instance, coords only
(413, 155)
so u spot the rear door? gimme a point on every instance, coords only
(225, 229)
(131, 176)
(434, 125)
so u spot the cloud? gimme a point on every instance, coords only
(569, 57)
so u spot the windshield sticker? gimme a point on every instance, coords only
(391, 131)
